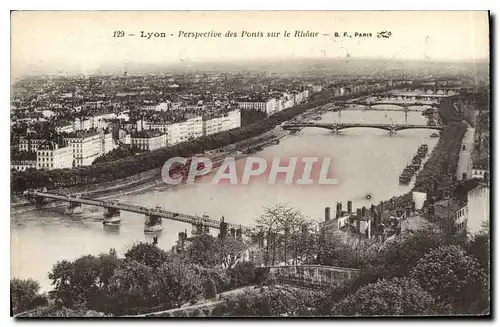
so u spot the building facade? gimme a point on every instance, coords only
(149, 141)
(223, 123)
(89, 145)
(184, 131)
(29, 144)
(50, 156)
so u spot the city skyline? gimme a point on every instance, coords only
(83, 42)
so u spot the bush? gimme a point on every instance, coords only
(479, 248)
(394, 297)
(272, 303)
(219, 310)
(261, 275)
(242, 274)
(210, 289)
(24, 295)
(195, 313)
(451, 276)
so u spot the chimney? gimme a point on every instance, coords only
(382, 209)
(349, 207)
(327, 213)
(363, 211)
(339, 204)
(372, 211)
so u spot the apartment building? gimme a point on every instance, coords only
(184, 131)
(50, 156)
(225, 122)
(267, 106)
(94, 122)
(149, 140)
(23, 160)
(88, 145)
(455, 210)
(29, 144)
(65, 128)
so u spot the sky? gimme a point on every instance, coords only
(83, 41)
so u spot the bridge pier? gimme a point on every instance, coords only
(392, 131)
(73, 208)
(152, 223)
(199, 229)
(111, 216)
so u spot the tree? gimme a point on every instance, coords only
(84, 280)
(176, 283)
(205, 251)
(131, 286)
(479, 247)
(450, 275)
(398, 258)
(24, 293)
(231, 251)
(147, 254)
(393, 297)
(279, 222)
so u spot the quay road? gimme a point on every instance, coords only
(157, 212)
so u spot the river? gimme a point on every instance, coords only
(365, 161)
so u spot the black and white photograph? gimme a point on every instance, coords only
(250, 164)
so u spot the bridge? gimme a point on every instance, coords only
(370, 108)
(405, 105)
(153, 215)
(392, 128)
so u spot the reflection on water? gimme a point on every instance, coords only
(365, 161)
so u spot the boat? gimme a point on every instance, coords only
(415, 166)
(433, 135)
(404, 179)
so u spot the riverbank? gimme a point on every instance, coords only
(149, 179)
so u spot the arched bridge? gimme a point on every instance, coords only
(404, 105)
(340, 126)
